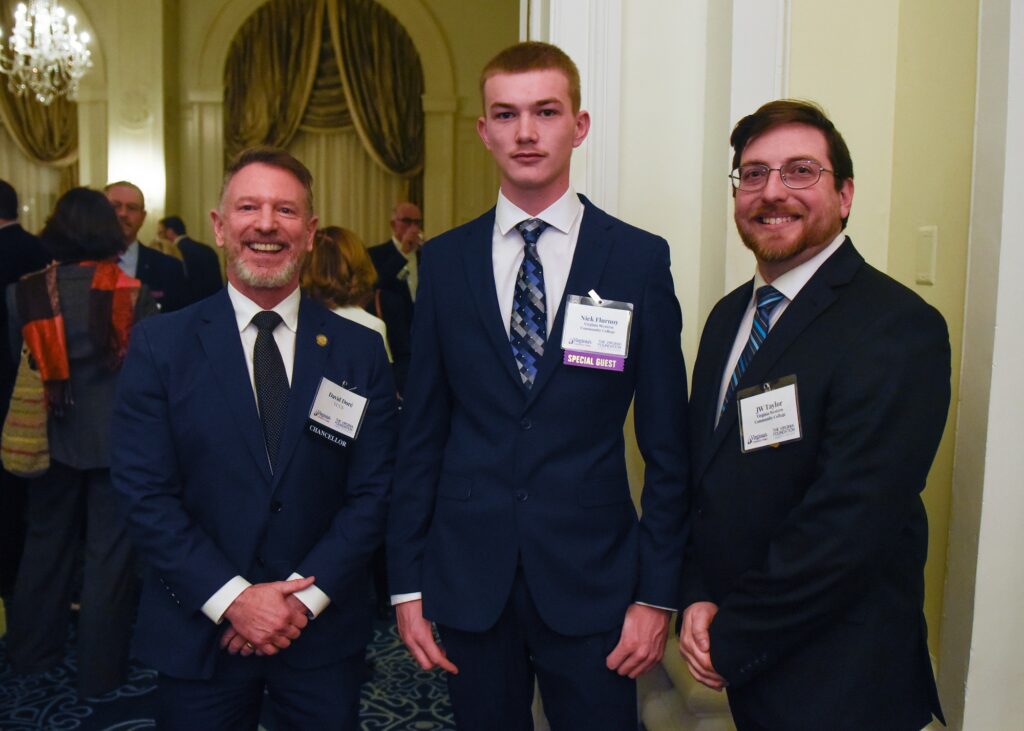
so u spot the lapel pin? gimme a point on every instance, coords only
(321, 340)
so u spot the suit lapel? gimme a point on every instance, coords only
(308, 369)
(223, 347)
(476, 248)
(588, 261)
(814, 298)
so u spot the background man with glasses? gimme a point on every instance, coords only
(820, 393)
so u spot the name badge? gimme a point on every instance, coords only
(769, 414)
(595, 332)
(337, 413)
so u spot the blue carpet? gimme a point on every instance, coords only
(399, 696)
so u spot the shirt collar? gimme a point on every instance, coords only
(790, 283)
(245, 308)
(561, 214)
(398, 246)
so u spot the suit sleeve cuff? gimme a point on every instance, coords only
(217, 604)
(657, 606)
(312, 596)
(403, 598)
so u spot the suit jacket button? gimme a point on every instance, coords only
(526, 424)
(275, 507)
(521, 496)
(259, 562)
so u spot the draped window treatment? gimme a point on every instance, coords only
(46, 137)
(328, 67)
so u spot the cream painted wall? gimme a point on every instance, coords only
(843, 56)
(931, 185)
(662, 137)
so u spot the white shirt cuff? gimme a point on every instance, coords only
(655, 606)
(314, 599)
(217, 604)
(403, 598)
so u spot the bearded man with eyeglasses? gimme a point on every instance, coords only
(820, 393)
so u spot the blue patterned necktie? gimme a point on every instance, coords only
(529, 325)
(271, 381)
(768, 298)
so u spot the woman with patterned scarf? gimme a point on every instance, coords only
(75, 317)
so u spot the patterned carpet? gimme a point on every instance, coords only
(399, 696)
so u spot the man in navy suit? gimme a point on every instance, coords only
(20, 253)
(512, 525)
(397, 260)
(202, 267)
(162, 274)
(257, 521)
(820, 393)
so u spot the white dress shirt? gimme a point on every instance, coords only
(411, 268)
(129, 259)
(555, 248)
(288, 308)
(789, 284)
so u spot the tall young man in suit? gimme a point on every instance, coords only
(512, 525)
(162, 274)
(820, 393)
(257, 522)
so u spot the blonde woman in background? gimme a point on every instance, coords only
(340, 275)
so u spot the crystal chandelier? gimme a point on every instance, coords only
(44, 54)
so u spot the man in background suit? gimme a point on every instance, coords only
(397, 263)
(20, 253)
(820, 393)
(162, 274)
(397, 260)
(257, 523)
(202, 265)
(512, 525)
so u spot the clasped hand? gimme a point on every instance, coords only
(266, 618)
(695, 644)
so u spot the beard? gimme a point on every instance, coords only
(818, 231)
(265, 279)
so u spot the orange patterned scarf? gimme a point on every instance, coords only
(112, 300)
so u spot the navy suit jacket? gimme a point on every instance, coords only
(190, 462)
(492, 474)
(20, 253)
(815, 550)
(165, 278)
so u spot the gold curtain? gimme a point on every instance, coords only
(383, 82)
(269, 74)
(46, 135)
(327, 110)
(286, 71)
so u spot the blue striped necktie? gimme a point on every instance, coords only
(768, 298)
(529, 325)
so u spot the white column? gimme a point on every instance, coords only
(982, 651)
(590, 31)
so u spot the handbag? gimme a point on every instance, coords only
(24, 446)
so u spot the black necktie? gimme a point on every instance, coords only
(271, 381)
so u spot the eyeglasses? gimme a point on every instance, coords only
(795, 174)
(411, 221)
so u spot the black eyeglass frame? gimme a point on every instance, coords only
(734, 176)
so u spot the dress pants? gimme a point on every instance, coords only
(494, 688)
(302, 699)
(12, 529)
(39, 613)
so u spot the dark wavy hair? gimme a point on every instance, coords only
(83, 225)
